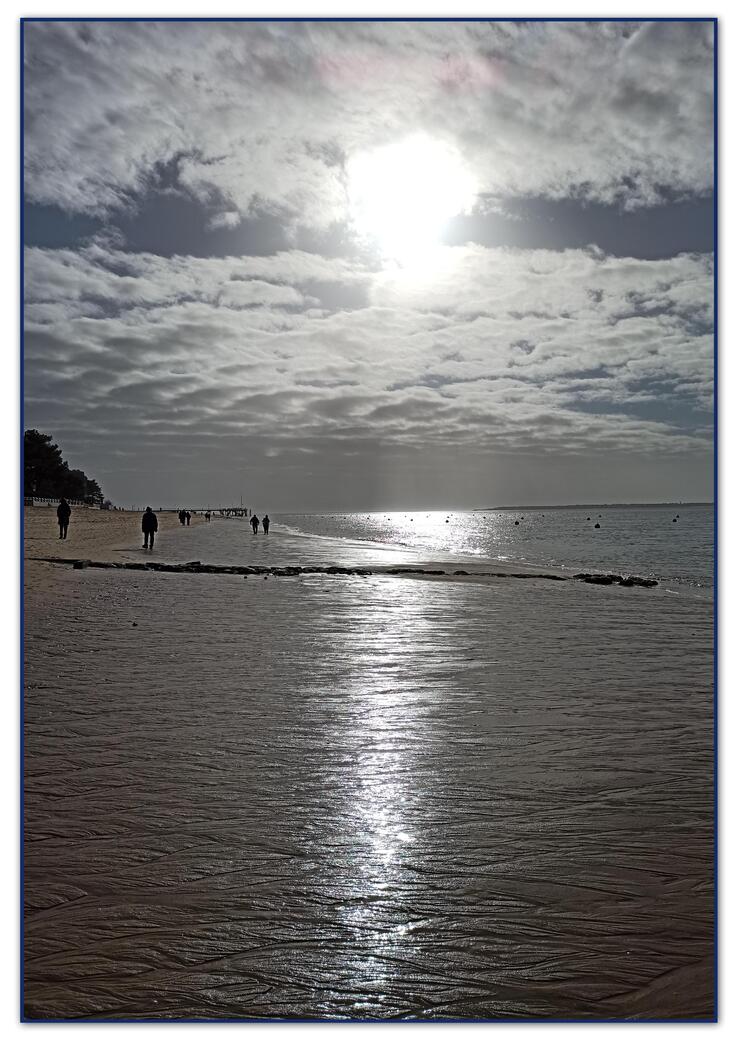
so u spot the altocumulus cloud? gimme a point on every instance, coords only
(473, 354)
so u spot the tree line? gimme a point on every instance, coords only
(47, 475)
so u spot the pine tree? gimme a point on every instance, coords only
(47, 475)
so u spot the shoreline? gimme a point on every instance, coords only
(111, 535)
(630, 547)
(102, 537)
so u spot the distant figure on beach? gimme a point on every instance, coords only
(207, 515)
(149, 526)
(188, 517)
(182, 517)
(254, 522)
(63, 513)
(266, 524)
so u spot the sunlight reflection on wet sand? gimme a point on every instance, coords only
(369, 797)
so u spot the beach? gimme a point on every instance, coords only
(113, 534)
(358, 796)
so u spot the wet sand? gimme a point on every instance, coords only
(361, 797)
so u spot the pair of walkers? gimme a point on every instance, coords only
(254, 522)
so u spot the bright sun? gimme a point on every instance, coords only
(403, 195)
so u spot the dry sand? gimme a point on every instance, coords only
(98, 534)
(361, 797)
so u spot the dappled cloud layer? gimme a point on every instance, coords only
(495, 350)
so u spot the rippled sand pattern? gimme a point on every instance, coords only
(365, 797)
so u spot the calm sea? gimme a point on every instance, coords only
(673, 544)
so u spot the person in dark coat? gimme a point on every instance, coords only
(149, 525)
(188, 517)
(266, 524)
(254, 522)
(63, 513)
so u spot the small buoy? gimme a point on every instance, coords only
(135, 624)
(516, 523)
(265, 578)
(522, 516)
(674, 520)
(596, 525)
(447, 520)
(587, 518)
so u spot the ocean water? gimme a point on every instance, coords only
(674, 544)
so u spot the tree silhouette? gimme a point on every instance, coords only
(46, 474)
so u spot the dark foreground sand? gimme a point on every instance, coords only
(363, 797)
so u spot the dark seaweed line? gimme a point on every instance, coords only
(196, 567)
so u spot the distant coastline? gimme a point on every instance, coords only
(590, 506)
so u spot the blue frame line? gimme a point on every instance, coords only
(21, 532)
(716, 964)
(368, 19)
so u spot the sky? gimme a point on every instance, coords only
(330, 265)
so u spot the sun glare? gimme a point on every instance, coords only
(403, 194)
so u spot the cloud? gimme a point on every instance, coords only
(261, 117)
(500, 351)
(227, 219)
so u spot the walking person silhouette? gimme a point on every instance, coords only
(149, 526)
(63, 513)
(254, 522)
